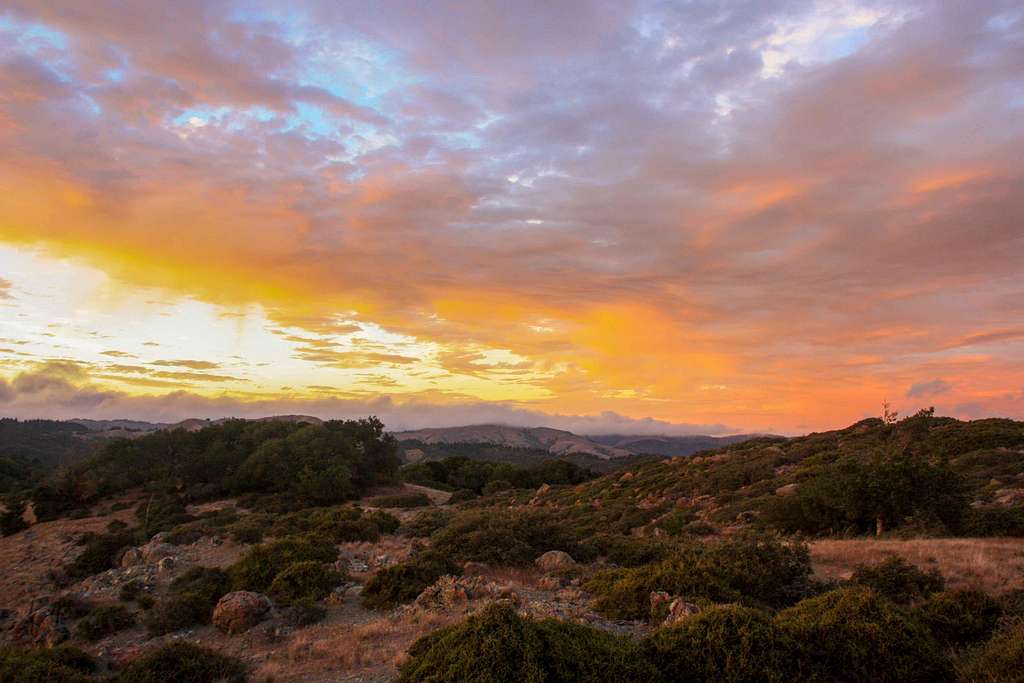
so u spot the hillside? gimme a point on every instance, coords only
(668, 446)
(935, 475)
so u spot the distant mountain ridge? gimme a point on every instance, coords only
(668, 446)
(562, 443)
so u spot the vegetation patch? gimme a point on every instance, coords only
(190, 600)
(959, 617)
(309, 580)
(43, 665)
(401, 583)
(729, 643)
(185, 662)
(104, 621)
(899, 580)
(855, 634)
(499, 645)
(401, 500)
(258, 568)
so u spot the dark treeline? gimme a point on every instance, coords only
(462, 473)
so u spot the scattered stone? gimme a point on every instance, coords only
(449, 592)
(131, 557)
(628, 476)
(1009, 497)
(166, 565)
(241, 610)
(555, 561)
(474, 568)
(549, 583)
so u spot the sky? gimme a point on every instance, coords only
(624, 216)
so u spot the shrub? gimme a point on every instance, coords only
(498, 645)
(185, 662)
(401, 583)
(311, 580)
(70, 607)
(959, 617)
(496, 486)
(426, 523)
(303, 612)
(387, 523)
(854, 634)
(161, 513)
(100, 554)
(62, 663)
(1001, 660)
(131, 591)
(756, 569)
(730, 643)
(330, 525)
(629, 551)
(401, 500)
(11, 521)
(103, 621)
(256, 570)
(899, 580)
(190, 600)
(463, 495)
(507, 537)
(993, 520)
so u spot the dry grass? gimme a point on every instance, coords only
(990, 564)
(373, 649)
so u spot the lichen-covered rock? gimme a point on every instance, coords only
(239, 611)
(555, 561)
(449, 592)
(41, 626)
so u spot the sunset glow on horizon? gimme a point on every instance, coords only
(634, 217)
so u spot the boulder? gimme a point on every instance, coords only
(154, 552)
(132, 557)
(628, 476)
(678, 610)
(555, 561)
(787, 490)
(42, 626)
(239, 611)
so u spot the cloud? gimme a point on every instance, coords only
(5, 289)
(933, 387)
(634, 200)
(58, 390)
(193, 364)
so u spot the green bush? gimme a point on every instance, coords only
(629, 551)
(190, 600)
(402, 582)
(131, 591)
(332, 525)
(959, 617)
(993, 520)
(501, 536)
(462, 496)
(854, 634)
(899, 580)
(387, 523)
(1001, 660)
(496, 486)
(729, 643)
(70, 607)
(756, 569)
(401, 500)
(62, 663)
(258, 568)
(100, 554)
(499, 646)
(310, 579)
(104, 621)
(426, 523)
(187, 663)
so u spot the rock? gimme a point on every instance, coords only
(42, 626)
(239, 611)
(1009, 497)
(549, 583)
(555, 561)
(449, 592)
(131, 557)
(166, 565)
(787, 490)
(628, 476)
(679, 609)
(544, 488)
(358, 566)
(657, 599)
(154, 552)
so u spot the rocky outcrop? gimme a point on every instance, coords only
(555, 561)
(40, 626)
(239, 611)
(675, 609)
(787, 490)
(450, 592)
